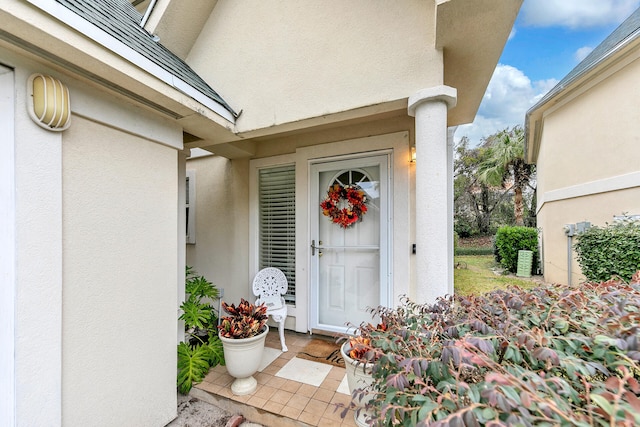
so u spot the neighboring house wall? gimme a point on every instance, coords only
(97, 246)
(341, 56)
(587, 165)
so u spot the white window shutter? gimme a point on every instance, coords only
(277, 223)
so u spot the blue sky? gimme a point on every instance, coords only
(549, 38)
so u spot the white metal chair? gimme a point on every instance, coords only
(269, 285)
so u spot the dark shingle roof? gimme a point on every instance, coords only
(121, 20)
(627, 31)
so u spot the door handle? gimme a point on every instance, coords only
(314, 247)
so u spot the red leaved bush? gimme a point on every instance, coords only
(244, 321)
(552, 355)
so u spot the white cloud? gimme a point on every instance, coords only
(508, 97)
(582, 53)
(577, 14)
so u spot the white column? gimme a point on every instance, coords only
(450, 146)
(434, 215)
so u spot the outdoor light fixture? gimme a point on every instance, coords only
(413, 154)
(49, 105)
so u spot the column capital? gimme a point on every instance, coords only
(443, 93)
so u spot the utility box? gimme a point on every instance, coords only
(525, 262)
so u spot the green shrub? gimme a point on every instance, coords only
(613, 250)
(510, 240)
(474, 251)
(464, 226)
(554, 355)
(202, 349)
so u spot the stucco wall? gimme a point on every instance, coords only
(120, 268)
(587, 165)
(282, 62)
(594, 135)
(96, 261)
(38, 279)
(222, 225)
(597, 209)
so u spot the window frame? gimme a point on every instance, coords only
(190, 206)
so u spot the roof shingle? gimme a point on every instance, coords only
(121, 20)
(630, 28)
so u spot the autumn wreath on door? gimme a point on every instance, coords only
(345, 205)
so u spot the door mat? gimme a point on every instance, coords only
(322, 351)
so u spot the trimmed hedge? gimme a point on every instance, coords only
(510, 240)
(613, 250)
(474, 251)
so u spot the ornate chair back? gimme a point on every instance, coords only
(269, 285)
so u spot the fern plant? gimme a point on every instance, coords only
(202, 348)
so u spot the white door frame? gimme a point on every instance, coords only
(315, 167)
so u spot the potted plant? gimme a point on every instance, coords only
(359, 355)
(243, 333)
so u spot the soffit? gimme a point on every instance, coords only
(189, 16)
(472, 35)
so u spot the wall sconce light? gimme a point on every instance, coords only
(413, 154)
(49, 105)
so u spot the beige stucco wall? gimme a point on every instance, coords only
(587, 165)
(283, 62)
(222, 225)
(97, 260)
(594, 135)
(120, 269)
(120, 265)
(38, 263)
(598, 209)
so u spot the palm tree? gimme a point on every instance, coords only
(505, 164)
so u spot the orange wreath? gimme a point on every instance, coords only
(345, 205)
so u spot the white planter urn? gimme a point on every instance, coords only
(359, 376)
(242, 357)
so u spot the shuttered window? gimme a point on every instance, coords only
(277, 222)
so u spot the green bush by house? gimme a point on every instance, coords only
(202, 348)
(608, 251)
(510, 240)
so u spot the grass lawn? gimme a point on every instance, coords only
(473, 275)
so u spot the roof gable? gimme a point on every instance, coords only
(627, 29)
(621, 37)
(121, 20)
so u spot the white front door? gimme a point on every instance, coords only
(350, 266)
